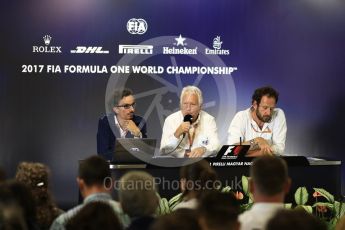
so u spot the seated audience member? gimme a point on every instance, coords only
(11, 218)
(190, 132)
(19, 197)
(294, 219)
(36, 177)
(94, 181)
(138, 198)
(182, 219)
(269, 183)
(218, 211)
(262, 126)
(122, 123)
(95, 216)
(196, 179)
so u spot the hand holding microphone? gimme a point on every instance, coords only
(184, 126)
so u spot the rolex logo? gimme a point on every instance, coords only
(47, 48)
(47, 39)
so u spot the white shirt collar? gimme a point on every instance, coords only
(122, 132)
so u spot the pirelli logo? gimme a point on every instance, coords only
(135, 49)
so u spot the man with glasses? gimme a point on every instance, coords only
(122, 123)
(190, 132)
(262, 126)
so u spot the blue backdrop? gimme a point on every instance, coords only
(296, 46)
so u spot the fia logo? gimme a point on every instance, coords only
(217, 43)
(136, 26)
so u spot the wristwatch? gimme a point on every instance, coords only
(252, 142)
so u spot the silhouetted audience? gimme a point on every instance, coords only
(269, 183)
(218, 211)
(138, 198)
(26, 203)
(95, 216)
(16, 194)
(94, 181)
(36, 177)
(296, 220)
(11, 218)
(181, 219)
(196, 179)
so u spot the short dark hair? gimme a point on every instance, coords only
(269, 174)
(94, 170)
(118, 95)
(95, 215)
(264, 91)
(198, 177)
(294, 219)
(219, 210)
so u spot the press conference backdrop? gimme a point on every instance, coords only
(61, 59)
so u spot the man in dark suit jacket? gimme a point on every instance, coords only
(122, 123)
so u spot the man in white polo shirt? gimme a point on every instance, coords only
(262, 126)
(190, 132)
(269, 183)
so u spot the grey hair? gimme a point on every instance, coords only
(192, 89)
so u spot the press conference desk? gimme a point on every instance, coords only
(311, 173)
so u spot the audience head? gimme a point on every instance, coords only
(34, 175)
(182, 219)
(16, 194)
(218, 211)
(294, 219)
(197, 178)
(11, 218)
(138, 194)
(269, 178)
(93, 175)
(94, 216)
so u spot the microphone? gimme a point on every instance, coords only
(189, 118)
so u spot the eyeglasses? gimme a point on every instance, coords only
(127, 106)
